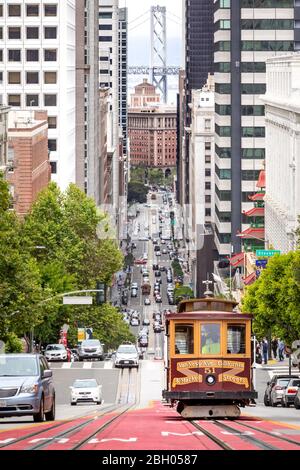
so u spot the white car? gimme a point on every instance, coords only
(86, 390)
(147, 301)
(134, 322)
(127, 356)
(56, 352)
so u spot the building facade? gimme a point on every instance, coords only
(282, 104)
(123, 74)
(3, 138)
(37, 66)
(247, 33)
(144, 94)
(88, 129)
(153, 136)
(29, 169)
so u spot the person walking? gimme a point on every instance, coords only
(265, 348)
(281, 346)
(274, 345)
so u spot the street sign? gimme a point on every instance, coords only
(81, 334)
(261, 263)
(267, 253)
(78, 300)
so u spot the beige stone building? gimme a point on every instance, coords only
(144, 95)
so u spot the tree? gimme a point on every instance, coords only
(183, 292)
(137, 192)
(275, 298)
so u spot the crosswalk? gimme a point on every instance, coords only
(276, 369)
(81, 365)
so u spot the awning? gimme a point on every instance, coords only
(261, 180)
(257, 197)
(255, 212)
(249, 279)
(237, 260)
(258, 233)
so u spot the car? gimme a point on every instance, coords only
(143, 341)
(56, 352)
(140, 261)
(133, 293)
(290, 392)
(134, 285)
(155, 267)
(27, 387)
(127, 356)
(158, 299)
(147, 301)
(275, 389)
(86, 390)
(162, 269)
(164, 251)
(157, 274)
(91, 349)
(158, 253)
(146, 322)
(297, 400)
(134, 322)
(157, 329)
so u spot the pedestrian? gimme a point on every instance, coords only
(265, 348)
(281, 347)
(274, 345)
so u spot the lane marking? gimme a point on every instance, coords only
(194, 433)
(243, 433)
(7, 441)
(108, 365)
(97, 441)
(40, 439)
(87, 365)
(67, 365)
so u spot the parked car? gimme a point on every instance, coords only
(290, 392)
(133, 293)
(27, 387)
(143, 341)
(90, 349)
(86, 390)
(146, 322)
(275, 389)
(147, 301)
(127, 356)
(134, 322)
(56, 352)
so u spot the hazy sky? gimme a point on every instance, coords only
(137, 8)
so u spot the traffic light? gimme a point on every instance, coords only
(101, 295)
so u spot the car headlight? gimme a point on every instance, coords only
(32, 389)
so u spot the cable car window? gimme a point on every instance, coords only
(210, 338)
(236, 339)
(184, 339)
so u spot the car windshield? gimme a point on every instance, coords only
(55, 347)
(85, 384)
(18, 366)
(283, 382)
(91, 342)
(126, 350)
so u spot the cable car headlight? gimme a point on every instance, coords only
(211, 380)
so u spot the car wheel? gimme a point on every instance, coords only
(50, 416)
(40, 416)
(297, 406)
(266, 403)
(274, 404)
(287, 405)
(99, 402)
(73, 403)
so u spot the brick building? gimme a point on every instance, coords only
(144, 95)
(28, 158)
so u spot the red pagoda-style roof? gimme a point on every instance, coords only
(249, 279)
(257, 197)
(261, 180)
(252, 233)
(255, 212)
(237, 260)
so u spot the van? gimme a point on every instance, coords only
(27, 387)
(91, 349)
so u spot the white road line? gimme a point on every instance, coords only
(87, 365)
(108, 365)
(67, 365)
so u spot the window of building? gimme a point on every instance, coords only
(50, 10)
(14, 32)
(207, 159)
(52, 122)
(32, 32)
(14, 55)
(210, 338)
(1, 55)
(32, 100)
(1, 81)
(50, 78)
(14, 100)
(224, 3)
(53, 168)
(50, 100)
(207, 185)
(14, 10)
(32, 10)
(207, 146)
(32, 78)
(52, 145)
(184, 339)
(14, 78)
(50, 55)
(50, 32)
(32, 55)
(207, 172)
(236, 339)
(207, 124)
(1, 10)
(207, 212)
(207, 199)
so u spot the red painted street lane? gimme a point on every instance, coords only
(157, 428)
(234, 441)
(274, 427)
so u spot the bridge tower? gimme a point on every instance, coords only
(158, 64)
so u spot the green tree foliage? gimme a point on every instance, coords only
(177, 269)
(183, 292)
(137, 192)
(275, 298)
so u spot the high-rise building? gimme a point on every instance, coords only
(282, 200)
(3, 138)
(37, 65)
(247, 33)
(123, 73)
(88, 129)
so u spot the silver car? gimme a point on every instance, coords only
(26, 387)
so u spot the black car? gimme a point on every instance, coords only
(155, 267)
(157, 274)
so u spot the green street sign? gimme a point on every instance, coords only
(267, 253)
